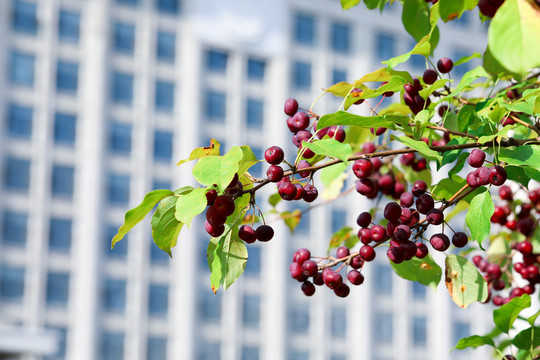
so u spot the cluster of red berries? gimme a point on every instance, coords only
(299, 123)
(508, 215)
(527, 269)
(303, 268)
(482, 176)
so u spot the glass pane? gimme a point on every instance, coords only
(164, 99)
(156, 348)
(214, 105)
(251, 310)
(166, 46)
(304, 29)
(122, 88)
(168, 6)
(24, 17)
(163, 143)
(65, 127)
(21, 68)
(118, 189)
(114, 295)
(254, 113)
(68, 26)
(255, 69)
(120, 138)
(20, 121)
(384, 46)
(120, 248)
(383, 328)
(298, 318)
(17, 174)
(338, 322)
(60, 234)
(216, 60)
(419, 331)
(67, 76)
(253, 266)
(14, 228)
(111, 346)
(124, 38)
(209, 306)
(158, 300)
(62, 180)
(340, 37)
(383, 279)
(57, 289)
(301, 75)
(338, 76)
(11, 283)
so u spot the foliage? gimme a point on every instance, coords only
(439, 122)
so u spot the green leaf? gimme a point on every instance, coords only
(466, 117)
(425, 271)
(229, 260)
(474, 341)
(446, 188)
(340, 236)
(505, 316)
(347, 4)
(451, 9)
(517, 173)
(333, 178)
(212, 149)
(190, 205)
(274, 199)
(331, 148)
(248, 159)
(292, 219)
(345, 118)
(459, 164)
(433, 87)
(533, 318)
(340, 89)
(218, 170)
(466, 59)
(479, 215)
(522, 155)
(513, 36)
(415, 18)
(463, 281)
(527, 339)
(468, 78)
(498, 135)
(165, 226)
(135, 215)
(452, 155)
(419, 146)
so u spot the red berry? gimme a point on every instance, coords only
(445, 65)
(274, 155)
(247, 234)
(264, 233)
(430, 76)
(291, 107)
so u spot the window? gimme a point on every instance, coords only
(60, 234)
(17, 174)
(339, 219)
(340, 37)
(20, 121)
(21, 69)
(383, 328)
(122, 88)
(208, 351)
(301, 76)
(419, 332)
(168, 6)
(164, 100)
(298, 319)
(67, 76)
(251, 305)
(158, 299)
(124, 38)
(114, 295)
(118, 189)
(257, 169)
(68, 26)
(61, 351)
(214, 105)
(304, 29)
(14, 228)
(120, 138)
(418, 62)
(11, 283)
(255, 69)
(65, 128)
(111, 346)
(24, 17)
(120, 248)
(384, 46)
(128, 2)
(460, 70)
(216, 60)
(338, 76)
(463, 20)
(338, 322)
(460, 330)
(383, 276)
(166, 46)
(209, 305)
(250, 353)
(298, 355)
(418, 290)
(62, 180)
(304, 226)
(156, 348)
(254, 113)
(253, 266)
(161, 184)
(158, 256)
(57, 289)
(163, 145)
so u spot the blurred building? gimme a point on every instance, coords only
(98, 101)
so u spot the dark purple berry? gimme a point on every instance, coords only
(419, 188)
(435, 217)
(364, 219)
(247, 234)
(214, 231)
(264, 233)
(445, 65)
(309, 268)
(363, 168)
(291, 106)
(406, 199)
(392, 211)
(440, 242)
(274, 173)
(476, 158)
(367, 252)
(308, 288)
(301, 255)
(424, 203)
(460, 239)
(497, 175)
(430, 76)
(342, 252)
(355, 277)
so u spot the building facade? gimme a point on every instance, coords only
(100, 98)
